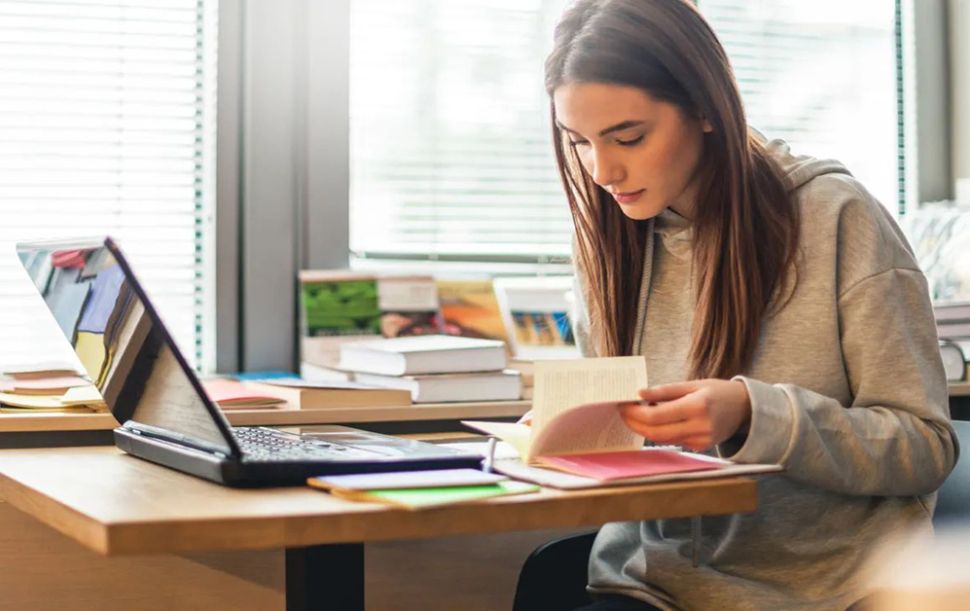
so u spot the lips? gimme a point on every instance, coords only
(628, 197)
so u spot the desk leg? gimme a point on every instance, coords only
(325, 577)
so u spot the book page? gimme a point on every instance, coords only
(587, 428)
(514, 434)
(561, 385)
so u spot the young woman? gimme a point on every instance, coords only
(781, 312)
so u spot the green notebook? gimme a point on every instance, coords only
(420, 498)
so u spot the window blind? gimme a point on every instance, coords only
(822, 76)
(451, 154)
(106, 127)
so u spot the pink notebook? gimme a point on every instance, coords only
(231, 394)
(620, 465)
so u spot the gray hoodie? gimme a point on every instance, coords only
(847, 393)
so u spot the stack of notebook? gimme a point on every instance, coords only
(292, 392)
(54, 390)
(435, 368)
(421, 489)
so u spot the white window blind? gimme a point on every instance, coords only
(106, 127)
(450, 145)
(451, 152)
(821, 75)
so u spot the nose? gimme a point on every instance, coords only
(605, 169)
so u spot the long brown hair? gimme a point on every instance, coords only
(745, 225)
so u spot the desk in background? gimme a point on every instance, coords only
(119, 505)
(56, 429)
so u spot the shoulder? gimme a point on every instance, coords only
(840, 217)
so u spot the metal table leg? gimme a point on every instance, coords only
(325, 577)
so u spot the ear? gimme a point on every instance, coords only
(706, 125)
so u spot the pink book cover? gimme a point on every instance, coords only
(227, 392)
(634, 463)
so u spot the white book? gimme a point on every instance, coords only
(446, 387)
(435, 478)
(423, 354)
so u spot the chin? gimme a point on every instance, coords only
(640, 212)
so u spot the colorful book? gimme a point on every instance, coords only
(426, 498)
(408, 306)
(336, 307)
(536, 312)
(470, 309)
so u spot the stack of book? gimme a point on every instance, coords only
(421, 489)
(529, 314)
(434, 368)
(291, 392)
(31, 390)
(340, 306)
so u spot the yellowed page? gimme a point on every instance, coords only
(516, 435)
(562, 385)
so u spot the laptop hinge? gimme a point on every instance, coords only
(170, 436)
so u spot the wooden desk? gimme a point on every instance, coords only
(53, 429)
(119, 505)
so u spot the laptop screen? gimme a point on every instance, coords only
(122, 344)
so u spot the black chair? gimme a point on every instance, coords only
(953, 501)
(553, 577)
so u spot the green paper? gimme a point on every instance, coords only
(419, 498)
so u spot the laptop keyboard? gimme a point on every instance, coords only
(267, 445)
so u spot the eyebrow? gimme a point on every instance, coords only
(613, 128)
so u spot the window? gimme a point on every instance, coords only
(450, 146)
(106, 126)
(820, 75)
(451, 154)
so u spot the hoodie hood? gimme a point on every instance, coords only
(799, 169)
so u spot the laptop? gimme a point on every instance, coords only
(166, 416)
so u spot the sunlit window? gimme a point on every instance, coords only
(106, 128)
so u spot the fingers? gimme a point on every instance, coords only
(696, 432)
(668, 392)
(665, 413)
(684, 422)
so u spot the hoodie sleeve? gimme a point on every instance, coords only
(580, 320)
(895, 438)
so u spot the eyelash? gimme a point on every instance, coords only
(633, 142)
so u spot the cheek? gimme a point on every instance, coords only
(676, 165)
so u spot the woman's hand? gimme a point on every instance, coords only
(696, 415)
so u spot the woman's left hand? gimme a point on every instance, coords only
(696, 415)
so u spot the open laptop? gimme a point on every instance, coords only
(166, 416)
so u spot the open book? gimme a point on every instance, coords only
(577, 428)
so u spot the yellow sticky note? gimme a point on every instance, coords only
(90, 349)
